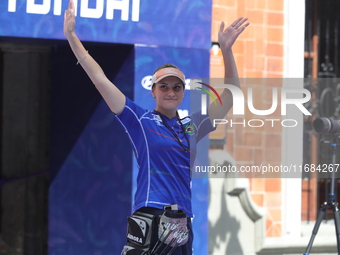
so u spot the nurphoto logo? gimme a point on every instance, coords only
(240, 100)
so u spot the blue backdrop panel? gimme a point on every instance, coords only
(91, 159)
(195, 64)
(151, 22)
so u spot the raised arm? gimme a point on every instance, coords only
(111, 94)
(226, 39)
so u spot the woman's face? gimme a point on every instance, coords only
(169, 93)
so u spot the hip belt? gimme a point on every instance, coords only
(149, 234)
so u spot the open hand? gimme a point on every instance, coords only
(227, 37)
(69, 19)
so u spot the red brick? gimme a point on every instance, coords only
(248, 33)
(257, 185)
(274, 50)
(274, 65)
(232, 15)
(239, 133)
(253, 139)
(258, 156)
(219, 13)
(244, 154)
(275, 19)
(273, 185)
(273, 155)
(272, 83)
(261, 4)
(255, 17)
(274, 75)
(230, 143)
(241, 8)
(260, 40)
(273, 140)
(250, 5)
(260, 63)
(258, 199)
(275, 34)
(238, 47)
(239, 60)
(250, 51)
(275, 5)
(253, 74)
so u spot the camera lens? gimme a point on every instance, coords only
(326, 125)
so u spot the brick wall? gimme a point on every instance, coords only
(258, 54)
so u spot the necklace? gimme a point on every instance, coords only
(186, 148)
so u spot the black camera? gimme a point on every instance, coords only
(326, 125)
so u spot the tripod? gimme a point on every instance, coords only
(330, 203)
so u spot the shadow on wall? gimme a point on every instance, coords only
(224, 231)
(236, 223)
